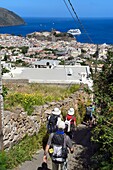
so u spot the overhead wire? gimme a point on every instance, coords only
(77, 19)
(69, 10)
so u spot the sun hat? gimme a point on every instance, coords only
(71, 111)
(61, 125)
(56, 111)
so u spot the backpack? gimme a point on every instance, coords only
(58, 150)
(52, 124)
(68, 125)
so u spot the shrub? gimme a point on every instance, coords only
(74, 88)
(3, 161)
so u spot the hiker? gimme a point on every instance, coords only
(53, 120)
(70, 123)
(89, 115)
(94, 117)
(58, 147)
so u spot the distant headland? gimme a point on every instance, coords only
(51, 36)
(9, 18)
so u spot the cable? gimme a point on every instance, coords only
(77, 19)
(69, 10)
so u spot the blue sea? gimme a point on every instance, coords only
(94, 30)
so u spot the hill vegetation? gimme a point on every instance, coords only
(29, 95)
(103, 133)
(9, 18)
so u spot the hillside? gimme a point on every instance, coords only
(9, 18)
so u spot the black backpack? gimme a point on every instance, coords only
(59, 149)
(52, 124)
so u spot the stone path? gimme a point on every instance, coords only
(34, 163)
(79, 160)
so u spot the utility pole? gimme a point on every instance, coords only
(97, 53)
(1, 109)
(53, 35)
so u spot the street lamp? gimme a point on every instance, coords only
(1, 109)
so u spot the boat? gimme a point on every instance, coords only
(74, 32)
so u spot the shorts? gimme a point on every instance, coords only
(88, 117)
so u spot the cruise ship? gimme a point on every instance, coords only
(74, 32)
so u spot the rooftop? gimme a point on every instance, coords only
(59, 74)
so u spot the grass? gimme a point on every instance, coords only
(29, 95)
(23, 151)
(40, 89)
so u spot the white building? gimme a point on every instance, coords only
(67, 74)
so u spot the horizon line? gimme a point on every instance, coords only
(61, 17)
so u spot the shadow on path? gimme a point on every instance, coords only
(43, 167)
(82, 135)
(84, 148)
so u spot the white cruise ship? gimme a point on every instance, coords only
(74, 32)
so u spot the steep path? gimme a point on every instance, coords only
(79, 160)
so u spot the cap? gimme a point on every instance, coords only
(61, 125)
(56, 111)
(71, 111)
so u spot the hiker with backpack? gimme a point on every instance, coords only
(58, 147)
(53, 120)
(70, 123)
(89, 115)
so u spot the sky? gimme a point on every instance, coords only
(57, 8)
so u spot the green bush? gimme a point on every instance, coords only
(74, 88)
(103, 133)
(3, 161)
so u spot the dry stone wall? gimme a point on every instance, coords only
(18, 124)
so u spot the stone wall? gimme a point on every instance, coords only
(16, 125)
(23, 81)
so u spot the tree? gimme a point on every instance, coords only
(103, 133)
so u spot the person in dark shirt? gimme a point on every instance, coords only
(89, 115)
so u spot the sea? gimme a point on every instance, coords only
(93, 30)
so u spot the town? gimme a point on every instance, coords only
(40, 50)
